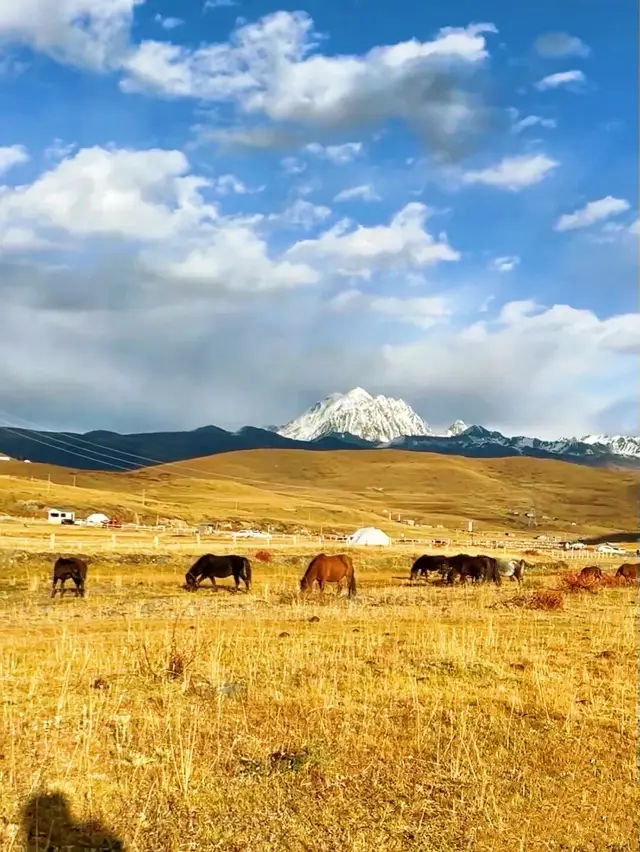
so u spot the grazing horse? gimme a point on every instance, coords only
(513, 568)
(591, 572)
(211, 566)
(69, 568)
(463, 565)
(330, 569)
(628, 571)
(424, 564)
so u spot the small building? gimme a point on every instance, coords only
(60, 516)
(4, 457)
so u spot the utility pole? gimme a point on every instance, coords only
(48, 482)
(144, 492)
(74, 480)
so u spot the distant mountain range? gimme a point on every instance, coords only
(354, 420)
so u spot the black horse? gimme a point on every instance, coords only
(211, 566)
(424, 564)
(69, 568)
(479, 569)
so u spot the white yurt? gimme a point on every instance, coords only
(96, 520)
(369, 536)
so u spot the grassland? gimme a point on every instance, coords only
(290, 489)
(424, 718)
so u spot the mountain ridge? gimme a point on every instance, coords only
(355, 420)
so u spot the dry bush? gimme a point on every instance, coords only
(577, 582)
(543, 599)
(264, 556)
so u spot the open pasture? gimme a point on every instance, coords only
(409, 717)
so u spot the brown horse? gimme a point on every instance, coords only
(628, 571)
(69, 568)
(330, 569)
(591, 572)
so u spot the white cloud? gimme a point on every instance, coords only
(561, 78)
(594, 211)
(532, 370)
(144, 195)
(532, 121)
(233, 258)
(168, 23)
(365, 192)
(12, 155)
(634, 228)
(226, 184)
(337, 154)
(301, 214)
(505, 264)
(556, 44)
(402, 245)
(423, 312)
(513, 173)
(218, 4)
(270, 69)
(59, 150)
(90, 33)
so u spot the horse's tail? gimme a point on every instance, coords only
(352, 577)
(247, 570)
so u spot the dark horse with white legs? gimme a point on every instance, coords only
(69, 568)
(330, 569)
(210, 566)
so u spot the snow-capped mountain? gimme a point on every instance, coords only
(456, 428)
(378, 419)
(620, 445)
(385, 422)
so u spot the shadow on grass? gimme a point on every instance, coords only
(49, 827)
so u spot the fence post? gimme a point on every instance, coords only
(156, 542)
(52, 541)
(198, 539)
(114, 540)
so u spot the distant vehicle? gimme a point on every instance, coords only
(609, 548)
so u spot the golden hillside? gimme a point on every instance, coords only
(342, 489)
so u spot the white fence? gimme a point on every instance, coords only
(123, 542)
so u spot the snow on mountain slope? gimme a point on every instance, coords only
(378, 419)
(456, 428)
(620, 445)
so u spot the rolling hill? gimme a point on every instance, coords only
(343, 489)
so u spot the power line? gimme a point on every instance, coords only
(61, 445)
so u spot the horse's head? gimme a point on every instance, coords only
(304, 584)
(190, 579)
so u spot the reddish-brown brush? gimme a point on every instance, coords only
(544, 599)
(576, 582)
(263, 556)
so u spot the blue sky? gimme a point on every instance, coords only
(221, 213)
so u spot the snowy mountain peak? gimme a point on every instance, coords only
(622, 445)
(377, 419)
(456, 428)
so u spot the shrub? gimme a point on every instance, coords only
(576, 582)
(263, 556)
(544, 599)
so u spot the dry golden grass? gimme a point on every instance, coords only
(423, 717)
(341, 490)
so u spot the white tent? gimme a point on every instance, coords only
(370, 536)
(96, 520)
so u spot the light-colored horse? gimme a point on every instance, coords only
(513, 568)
